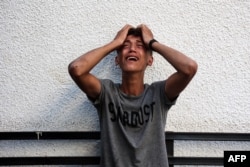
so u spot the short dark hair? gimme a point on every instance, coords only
(135, 32)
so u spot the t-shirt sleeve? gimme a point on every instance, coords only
(104, 84)
(163, 96)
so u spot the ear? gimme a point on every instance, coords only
(116, 60)
(150, 60)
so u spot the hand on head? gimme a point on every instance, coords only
(147, 34)
(122, 34)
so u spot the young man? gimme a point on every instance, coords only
(133, 114)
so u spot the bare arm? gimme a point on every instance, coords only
(80, 68)
(185, 66)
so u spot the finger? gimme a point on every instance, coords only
(142, 26)
(139, 26)
(127, 26)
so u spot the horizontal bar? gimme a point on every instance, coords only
(49, 160)
(63, 135)
(207, 136)
(196, 161)
(95, 135)
(96, 160)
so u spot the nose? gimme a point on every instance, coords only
(132, 47)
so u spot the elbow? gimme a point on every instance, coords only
(191, 69)
(74, 70)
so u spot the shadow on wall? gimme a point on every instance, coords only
(107, 69)
(70, 110)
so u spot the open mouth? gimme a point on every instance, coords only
(132, 58)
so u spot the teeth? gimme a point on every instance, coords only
(132, 58)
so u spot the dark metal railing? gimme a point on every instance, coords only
(94, 160)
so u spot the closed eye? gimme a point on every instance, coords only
(125, 45)
(140, 45)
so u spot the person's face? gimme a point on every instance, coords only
(133, 55)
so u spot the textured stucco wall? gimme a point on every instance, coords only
(38, 39)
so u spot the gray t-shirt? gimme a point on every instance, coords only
(132, 127)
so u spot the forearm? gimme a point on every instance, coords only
(87, 61)
(178, 60)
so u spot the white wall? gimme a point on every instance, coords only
(40, 38)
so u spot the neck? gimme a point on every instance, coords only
(132, 84)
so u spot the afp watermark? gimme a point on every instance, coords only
(236, 158)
